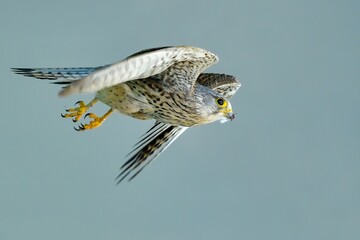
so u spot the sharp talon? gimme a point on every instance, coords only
(76, 113)
(80, 128)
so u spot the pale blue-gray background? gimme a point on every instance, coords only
(287, 168)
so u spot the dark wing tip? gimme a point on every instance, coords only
(23, 71)
(147, 51)
(153, 143)
(34, 72)
(61, 82)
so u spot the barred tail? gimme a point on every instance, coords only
(67, 74)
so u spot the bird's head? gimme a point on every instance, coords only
(224, 110)
(219, 109)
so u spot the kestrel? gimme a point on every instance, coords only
(166, 84)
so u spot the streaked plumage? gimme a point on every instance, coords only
(165, 84)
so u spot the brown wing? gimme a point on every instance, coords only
(223, 84)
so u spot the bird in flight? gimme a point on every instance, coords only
(166, 84)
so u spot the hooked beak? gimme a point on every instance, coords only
(230, 116)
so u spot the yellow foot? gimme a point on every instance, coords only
(97, 121)
(77, 112)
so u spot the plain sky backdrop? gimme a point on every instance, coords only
(287, 168)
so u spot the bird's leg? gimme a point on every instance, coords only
(97, 121)
(77, 112)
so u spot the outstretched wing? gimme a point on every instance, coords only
(154, 142)
(225, 85)
(175, 66)
(142, 65)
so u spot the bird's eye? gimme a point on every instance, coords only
(221, 102)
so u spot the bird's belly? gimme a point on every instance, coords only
(123, 99)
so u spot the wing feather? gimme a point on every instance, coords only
(153, 143)
(224, 84)
(141, 65)
(69, 74)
